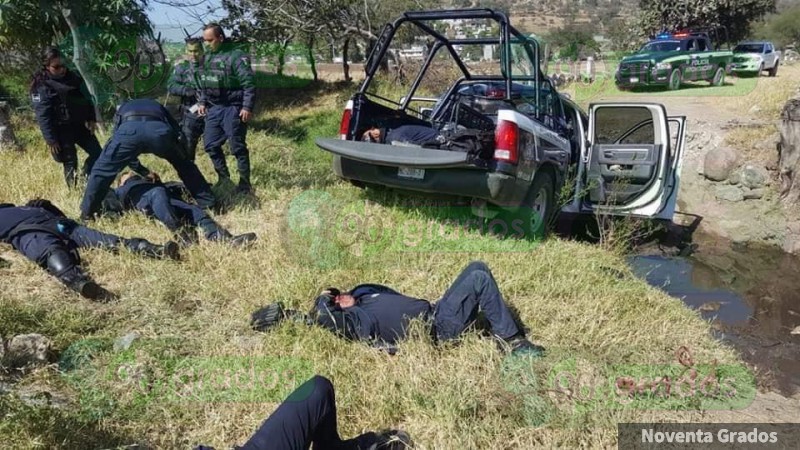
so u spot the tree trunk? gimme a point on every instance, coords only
(789, 151)
(282, 56)
(81, 64)
(345, 65)
(8, 141)
(311, 59)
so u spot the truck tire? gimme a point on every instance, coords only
(760, 70)
(719, 77)
(774, 70)
(675, 79)
(539, 206)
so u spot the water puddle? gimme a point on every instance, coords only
(751, 295)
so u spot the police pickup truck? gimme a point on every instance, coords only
(673, 58)
(529, 141)
(755, 57)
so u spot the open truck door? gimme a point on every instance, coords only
(632, 162)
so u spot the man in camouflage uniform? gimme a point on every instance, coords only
(185, 83)
(226, 99)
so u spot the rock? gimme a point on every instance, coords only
(796, 330)
(754, 194)
(27, 349)
(710, 306)
(729, 194)
(126, 341)
(735, 178)
(719, 163)
(754, 177)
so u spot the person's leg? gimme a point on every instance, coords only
(86, 237)
(69, 159)
(236, 131)
(196, 216)
(120, 151)
(307, 416)
(192, 129)
(157, 202)
(474, 288)
(194, 181)
(86, 140)
(213, 138)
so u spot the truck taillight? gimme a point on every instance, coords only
(344, 127)
(506, 141)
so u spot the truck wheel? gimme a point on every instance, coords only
(719, 77)
(774, 70)
(539, 206)
(760, 70)
(675, 79)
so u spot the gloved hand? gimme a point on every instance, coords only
(267, 317)
(46, 205)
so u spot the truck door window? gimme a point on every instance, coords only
(692, 46)
(701, 45)
(632, 125)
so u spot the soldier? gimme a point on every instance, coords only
(41, 232)
(227, 100)
(307, 418)
(185, 82)
(155, 200)
(143, 126)
(66, 115)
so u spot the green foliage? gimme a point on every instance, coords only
(735, 15)
(782, 29)
(572, 42)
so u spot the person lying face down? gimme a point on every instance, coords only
(381, 315)
(155, 200)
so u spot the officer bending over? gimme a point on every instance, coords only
(308, 417)
(381, 315)
(41, 232)
(155, 200)
(185, 83)
(143, 126)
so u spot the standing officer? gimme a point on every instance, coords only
(143, 126)
(227, 99)
(41, 232)
(65, 113)
(185, 82)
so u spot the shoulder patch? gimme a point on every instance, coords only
(36, 98)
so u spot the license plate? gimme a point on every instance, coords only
(408, 172)
(634, 80)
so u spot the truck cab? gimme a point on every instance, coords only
(753, 58)
(499, 134)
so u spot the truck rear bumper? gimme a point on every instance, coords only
(497, 188)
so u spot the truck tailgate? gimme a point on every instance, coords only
(394, 155)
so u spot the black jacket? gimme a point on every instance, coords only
(63, 102)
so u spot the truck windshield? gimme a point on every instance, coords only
(661, 46)
(749, 48)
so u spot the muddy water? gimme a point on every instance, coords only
(751, 295)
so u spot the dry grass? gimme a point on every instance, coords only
(576, 299)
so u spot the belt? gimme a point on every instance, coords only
(142, 119)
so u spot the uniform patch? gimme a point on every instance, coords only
(36, 98)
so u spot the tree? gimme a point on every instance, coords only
(736, 16)
(93, 31)
(782, 29)
(573, 41)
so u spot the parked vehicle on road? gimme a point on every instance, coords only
(753, 58)
(674, 58)
(526, 140)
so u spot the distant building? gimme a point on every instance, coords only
(416, 52)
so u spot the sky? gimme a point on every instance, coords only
(171, 21)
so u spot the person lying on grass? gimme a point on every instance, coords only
(381, 315)
(308, 418)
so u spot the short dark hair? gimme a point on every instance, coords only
(193, 41)
(218, 31)
(49, 54)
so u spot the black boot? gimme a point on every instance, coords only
(61, 265)
(144, 247)
(222, 235)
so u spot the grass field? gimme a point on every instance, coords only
(578, 300)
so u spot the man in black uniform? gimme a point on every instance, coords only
(308, 417)
(185, 83)
(380, 315)
(143, 126)
(41, 232)
(166, 205)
